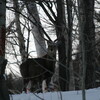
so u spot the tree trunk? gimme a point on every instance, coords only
(21, 40)
(2, 27)
(4, 95)
(87, 37)
(69, 45)
(36, 30)
(61, 33)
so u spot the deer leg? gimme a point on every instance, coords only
(25, 85)
(28, 87)
(50, 85)
(44, 86)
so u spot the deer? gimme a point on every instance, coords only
(35, 70)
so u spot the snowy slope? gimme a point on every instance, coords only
(92, 94)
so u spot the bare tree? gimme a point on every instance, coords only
(69, 45)
(61, 33)
(3, 86)
(21, 39)
(87, 36)
(36, 29)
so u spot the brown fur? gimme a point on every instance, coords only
(39, 69)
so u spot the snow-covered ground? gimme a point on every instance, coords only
(91, 94)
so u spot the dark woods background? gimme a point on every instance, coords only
(75, 26)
